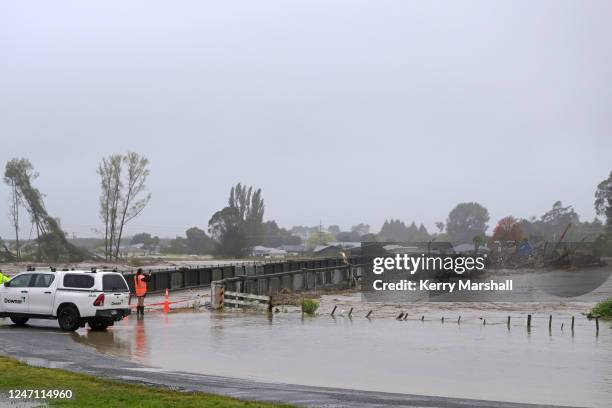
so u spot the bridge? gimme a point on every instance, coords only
(260, 278)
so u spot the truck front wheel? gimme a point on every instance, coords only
(68, 318)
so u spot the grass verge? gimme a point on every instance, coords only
(93, 392)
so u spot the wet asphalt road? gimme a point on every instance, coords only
(45, 345)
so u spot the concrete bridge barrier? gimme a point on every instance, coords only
(303, 274)
(299, 280)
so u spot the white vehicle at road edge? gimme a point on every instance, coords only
(74, 298)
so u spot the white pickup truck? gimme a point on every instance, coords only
(98, 298)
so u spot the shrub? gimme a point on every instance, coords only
(309, 306)
(603, 309)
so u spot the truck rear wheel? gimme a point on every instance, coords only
(19, 321)
(98, 325)
(68, 318)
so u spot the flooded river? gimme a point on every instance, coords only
(474, 359)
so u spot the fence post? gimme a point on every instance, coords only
(549, 322)
(217, 293)
(528, 322)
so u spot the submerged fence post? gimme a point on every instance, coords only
(572, 323)
(528, 322)
(368, 315)
(334, 310)
(508, 322)
(549, 322)
(597, 324)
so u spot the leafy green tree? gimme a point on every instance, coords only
(227, 227)
(423, 234)
(147, 241)
(275, 236)
(177, 246)
(466, 221)
(360, 229)
(603, 202)
(142, 238)
(198, 242)
(393, 230)
(249, 204)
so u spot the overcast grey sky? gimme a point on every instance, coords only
(341, 111)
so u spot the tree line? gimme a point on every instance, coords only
(240, 225)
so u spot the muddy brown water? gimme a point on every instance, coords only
(470, 360)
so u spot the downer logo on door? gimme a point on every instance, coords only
(18, 301)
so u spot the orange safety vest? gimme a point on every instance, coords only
(140, 285)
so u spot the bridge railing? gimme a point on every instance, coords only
(202, 276)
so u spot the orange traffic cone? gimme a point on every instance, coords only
(166, 303)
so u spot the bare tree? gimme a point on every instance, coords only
(130, 204)
(111, 184)
(51, 239)
(13, 168)
(123, 196)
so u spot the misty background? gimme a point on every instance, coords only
(341, 112)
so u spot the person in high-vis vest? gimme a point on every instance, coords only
(3, 278)
(140, 287)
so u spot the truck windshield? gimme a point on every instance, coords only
(114, 283)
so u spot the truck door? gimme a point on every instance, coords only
(42, 293)
(15, 296)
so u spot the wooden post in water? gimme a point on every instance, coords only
(572, 323)
(350, 312)
(442, 320)
(422, 318)
(549, 322)
(459, 320)
(399, 317)
(508, 322)
(368, 315)
(597, 324)
(528, 322)
(334, 310)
